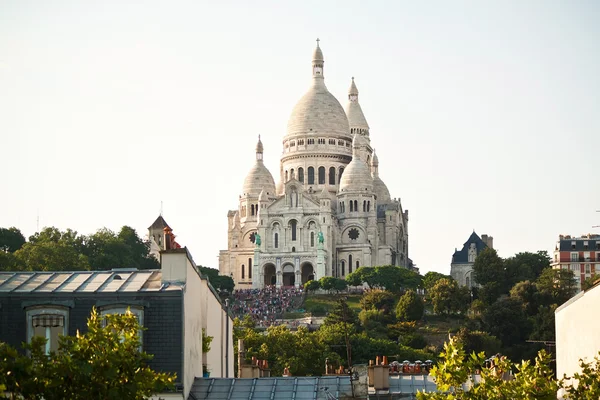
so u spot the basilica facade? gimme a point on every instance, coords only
(329, 213)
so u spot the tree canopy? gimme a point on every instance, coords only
(54, 250)
(388, 277)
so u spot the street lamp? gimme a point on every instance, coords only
(227, 338)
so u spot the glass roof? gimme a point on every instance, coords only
(83, 281)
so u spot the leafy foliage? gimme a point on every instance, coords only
(56, 250)
(448, 298)
(221, 283)
(312, 286)
(431, 278)
(104, 363)
(456, 368)
(507, 320)
(11, 239)
(410, 307)
(388, 277)
(378, 299)
(587, 385)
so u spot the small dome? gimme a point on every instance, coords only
(357, 175)
(259, 146)
(381, 191)
(356, 117)
(258, 179)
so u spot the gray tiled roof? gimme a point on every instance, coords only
(115, 281)
(462, 256)
(160, 223)
(566, 244)
(328, 387)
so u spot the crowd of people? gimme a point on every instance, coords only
(265, 306)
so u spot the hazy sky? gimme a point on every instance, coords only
(485, 114)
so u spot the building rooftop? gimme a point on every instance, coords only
(114, 281)
(327, 387)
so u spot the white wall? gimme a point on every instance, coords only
(192, 334)
(577, 331)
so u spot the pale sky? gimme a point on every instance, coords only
(485, 114)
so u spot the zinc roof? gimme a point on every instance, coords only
(114, 281)
(327, 387)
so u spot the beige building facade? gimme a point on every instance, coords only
(329, 213)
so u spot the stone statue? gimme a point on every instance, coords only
(320, 236)
(257, 239)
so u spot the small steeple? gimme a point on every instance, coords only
(375, 165)
(259, 150)
(317, 62)
(353, 92)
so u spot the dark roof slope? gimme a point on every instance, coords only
(462, 256)
(566, 244)
(160, 223)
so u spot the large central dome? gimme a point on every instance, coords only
(318, 112)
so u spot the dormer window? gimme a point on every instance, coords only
(48, 322)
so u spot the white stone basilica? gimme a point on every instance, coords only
(330, 212)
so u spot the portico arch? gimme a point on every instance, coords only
(308, 272)
(269, 274)
(288, 276)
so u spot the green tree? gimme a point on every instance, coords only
(526, 266)
(388, 277)
(489, 271)
(527, 293)
(531, 381)
(341, 312)
(312, 286)
(506, 319)
(410, 307)
(589, 282)
(103, 363)
(11, 239)
(448, 298)
(478, 341)
(8, 262)
(431, 278)
(221, 283)
(377, 299)
(53, 250)
(556, 286)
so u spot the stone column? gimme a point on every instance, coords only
(321, 270)
(279, 279)
(257, 282)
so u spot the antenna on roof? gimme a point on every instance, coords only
(161, 208)
(38, 220)
(596, 226)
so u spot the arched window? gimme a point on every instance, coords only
(364, 205)
(357, 265)
(343, 268)
(332, 176)
(243, 271)
(293, 226)
(350, 263)
(468, 282)
(292, 176)
(351, 206)
(312, 239)
(252, 209)
(368, 205)
(249, 268)
(276, 240)
(301, 174)
(286, 176)
(355, 205)
(340, 174)
(311, 176)
(321, 175)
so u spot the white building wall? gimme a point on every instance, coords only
(577, 327)
(192, 335)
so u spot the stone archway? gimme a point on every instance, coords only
(308, 272)
(269, 274)
(288, 276)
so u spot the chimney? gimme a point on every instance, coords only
(241, 356)
(379, 374)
